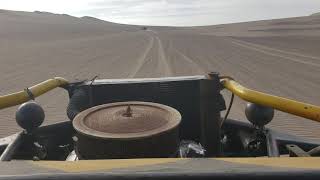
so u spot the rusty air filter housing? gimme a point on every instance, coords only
(127, 130)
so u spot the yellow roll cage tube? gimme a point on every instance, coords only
(301, 109)
(32, 92)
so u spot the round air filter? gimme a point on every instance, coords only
(127, 130)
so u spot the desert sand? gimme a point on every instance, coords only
(281, 57)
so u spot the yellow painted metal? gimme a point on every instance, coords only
(96, 165)
(107, 165)
(37, 90)
(281, 162)
(301, 109)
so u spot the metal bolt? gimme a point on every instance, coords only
(128, 112)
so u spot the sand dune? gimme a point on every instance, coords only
(275, 56)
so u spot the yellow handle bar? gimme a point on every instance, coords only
(301, 109)
(35, 91)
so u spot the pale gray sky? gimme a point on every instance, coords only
(171, 12)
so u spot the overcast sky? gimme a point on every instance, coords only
(171, 12)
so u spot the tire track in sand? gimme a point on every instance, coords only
(142, 58)
(196, 66)
(162, 60)
(277, 53)
(278, 50)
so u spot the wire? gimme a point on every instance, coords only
(91, 91)
(229, 108)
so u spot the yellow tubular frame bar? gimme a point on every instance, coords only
(301, 109)
(35, 91)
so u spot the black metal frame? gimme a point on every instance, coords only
(275, 141)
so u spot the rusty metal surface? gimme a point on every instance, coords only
(126, 119)
(127, 130)
(112, 120)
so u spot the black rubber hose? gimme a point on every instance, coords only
(78, 102)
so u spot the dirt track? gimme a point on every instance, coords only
(279, 56)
